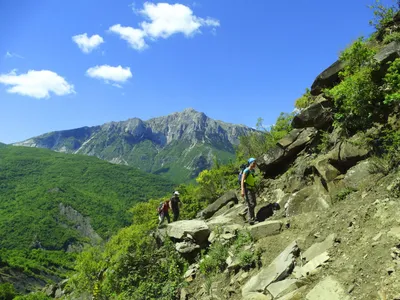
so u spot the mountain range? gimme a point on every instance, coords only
(178, 146)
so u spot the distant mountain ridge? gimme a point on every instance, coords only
(179, 145)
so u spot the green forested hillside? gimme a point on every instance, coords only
(36, 183)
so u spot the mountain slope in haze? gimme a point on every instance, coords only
(178, 146)
(58, 201)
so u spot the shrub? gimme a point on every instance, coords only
(382, 15)
(389, 147)
(257, 143)
(304, 101)
(33, 296)
(214, 261)
(247, 258)
(357, 96)
(342, 194)
(324, 144)
(7, 291)
(391, 37)
(392, 83)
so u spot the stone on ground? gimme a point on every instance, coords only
(319, 248)
(279, 269)
(281, 288)
(264, 229)
(328, 288)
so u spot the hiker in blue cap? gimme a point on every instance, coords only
(248, 188)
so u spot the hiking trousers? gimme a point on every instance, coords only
(176, 215)
(250, 196)
(162, 217)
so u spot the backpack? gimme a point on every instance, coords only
(242, 168)
(160, 207)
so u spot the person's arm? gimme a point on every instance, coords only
(242, 183)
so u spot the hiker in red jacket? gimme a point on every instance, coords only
(163, 212)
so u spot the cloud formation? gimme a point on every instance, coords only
(135, 37)
(87, 44)
(12, 55)
(37, 84)
(162, 21)
(108, 73)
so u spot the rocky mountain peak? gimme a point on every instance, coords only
(185, 140)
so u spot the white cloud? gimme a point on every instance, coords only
(135, 37)
(109, 73)
(37, 84)
(168, 19)
(87, 44)
(12, 55)
(162, 21)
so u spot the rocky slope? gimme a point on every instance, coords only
(179, 145)
(337, 234)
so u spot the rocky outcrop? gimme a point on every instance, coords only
(330, 76)
(210, 210)
(195, 230)
(318, 115)
(81, 224)
(277, 159)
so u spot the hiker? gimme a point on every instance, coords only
(163, 212)
(248, 188)
(175, 204)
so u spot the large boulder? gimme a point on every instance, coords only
(318, 115)
(311, 198)
(265, 229)
(328, 78)
(210, 210)
(360, 176)
(325, 169)
(278, 270)
(196, 230)
(278, 158)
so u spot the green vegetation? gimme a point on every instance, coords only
(131, 265)
(305, 100)
(35, 185)
(342, 194)
(383, 15)
(357, 96)
(257, 143)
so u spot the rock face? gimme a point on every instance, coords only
(328, 78)
(81, 224)
(318, 115)
(279, 157)
(181, 143)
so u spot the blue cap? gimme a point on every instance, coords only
(251, 160)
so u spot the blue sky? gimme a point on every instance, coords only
(68, 64)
